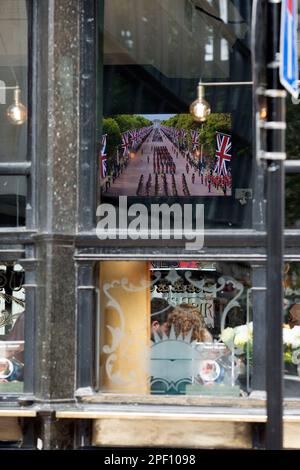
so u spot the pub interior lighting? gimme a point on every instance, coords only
(16, 113)
(200, 108)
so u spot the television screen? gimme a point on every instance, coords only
(161, 155)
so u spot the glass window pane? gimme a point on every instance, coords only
(175, 328)
(293, 121)
(12, 201)
(291, 330)
(154, 54)
(12, 317)
(13, 80)
(292, 197)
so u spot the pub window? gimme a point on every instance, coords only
(150, 149)
(13, 111)
(291, 329)
(292, 197)
(292, 181)
(175, 328)
(12, 317)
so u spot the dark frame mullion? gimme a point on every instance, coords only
(249, 239)
(14, 237)
(28, 169)
(31, 154)
(86, 323)
(15, 168)
(87, 164)
(29, 264)
(217, 238)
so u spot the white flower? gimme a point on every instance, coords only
(295, 337)
(227, 336)
(287, 336)
(295, 343)
(288, 291)
(241, 338)
(241, 329)
(296, 331)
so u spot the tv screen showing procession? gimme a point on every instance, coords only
(166, 156)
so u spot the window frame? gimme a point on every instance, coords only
(222, 244)
(16, 243)
(26, 168)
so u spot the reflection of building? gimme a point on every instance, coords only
(160, 80)
(152, 57)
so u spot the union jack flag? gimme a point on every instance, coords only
(103, 145)
(223, 153)
(195, 136)
(103, 158)
(103, 166)
(134, 136)
(183, 134)
(125, 143)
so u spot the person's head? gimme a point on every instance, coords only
(187, 317)
(294, 312)
(160, 310)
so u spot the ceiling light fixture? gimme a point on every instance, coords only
(16, 113)
(200, 108)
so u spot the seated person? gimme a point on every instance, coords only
(186, 317)
(160, 310)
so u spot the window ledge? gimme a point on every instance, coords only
(165, 416)
(185, 400)
(172, 413)
(17, 412)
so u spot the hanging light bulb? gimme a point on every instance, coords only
(200, 109)
(16, 113)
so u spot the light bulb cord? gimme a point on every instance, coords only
(17, 93)
(200, 91)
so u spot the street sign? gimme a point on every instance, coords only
(288, 71)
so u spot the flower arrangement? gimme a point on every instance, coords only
(241, 339)
(291, 343)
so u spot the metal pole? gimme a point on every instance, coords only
(275, 143)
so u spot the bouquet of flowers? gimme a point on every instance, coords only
(291, 344)
(240, 337)
(240, 341)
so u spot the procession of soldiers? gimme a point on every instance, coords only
(162, 168)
